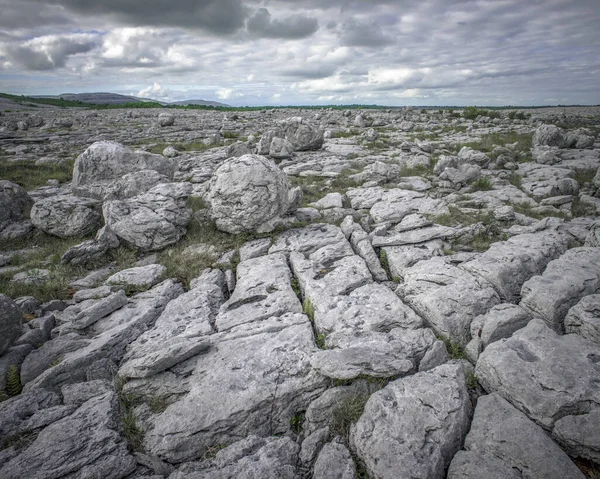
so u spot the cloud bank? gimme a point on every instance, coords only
(436, 52)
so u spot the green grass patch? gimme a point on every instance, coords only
(345, 134)
(296, 422)
(45, 253)
(455, 350)
(528, 210)
(385, 264)
(457, 217)
(490, 140)
(516, 180)
(492, 234)
(472, 112)
(482, 184)
(30, 176)
(316, 187)
(583, 176)
(230, 135)
(196, 146)
(347, 413)
(309, 309)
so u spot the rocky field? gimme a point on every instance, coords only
(396, 293)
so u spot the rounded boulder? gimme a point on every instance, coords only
(250, 194)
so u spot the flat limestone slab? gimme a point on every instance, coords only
(552, 379)
(503, 443)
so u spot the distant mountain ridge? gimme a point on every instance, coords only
(104, 98)
(198, 102)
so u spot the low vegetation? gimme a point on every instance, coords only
(316, 187)
(347, 413)
(482, 184)
(30, 176)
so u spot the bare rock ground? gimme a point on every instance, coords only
(278, 293)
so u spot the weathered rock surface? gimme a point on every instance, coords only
(301, 134)
(140, 276)
(447, 297)
(179, 333)
(252, 381)
(250, 193)
(562, 284)
(415, 425)
(151, 221)
(508, 264)
(523, 370)
(110, 336)
(83, 444)
(584, 318)
(549, 135)
(334, 462)
(102, 171)
(503, 443)
(10, 322)
(498, 323)
(14, 204)
(66, 216)
(251, 458)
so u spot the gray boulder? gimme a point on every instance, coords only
(334, 462)
(165, 119)
(10, 323)
(250, 194)
(468, 155)
(99, 310)
(524, 370)
(15, 204)
(498, 323)
(151, 221)
(504, 444)
(250, 458)
(87, 253)
(264, 144)
(456, 178)
(301, 134)
(102, 171)
(50, 353)
(66, 216)
(584, 318)
(549, 135)
(581, 138)
(281, 148)
(83, 444)
(563, 283)
(140, 276)
(415, 425)
(239, 148)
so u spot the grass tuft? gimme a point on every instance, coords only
(482, 184)
(347, 413)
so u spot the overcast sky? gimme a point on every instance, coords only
(290, 52)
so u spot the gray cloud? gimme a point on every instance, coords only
(381, 51)
(30, 15)
(358, 34)
(49, 52)
(216, 16)
(293, 27)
